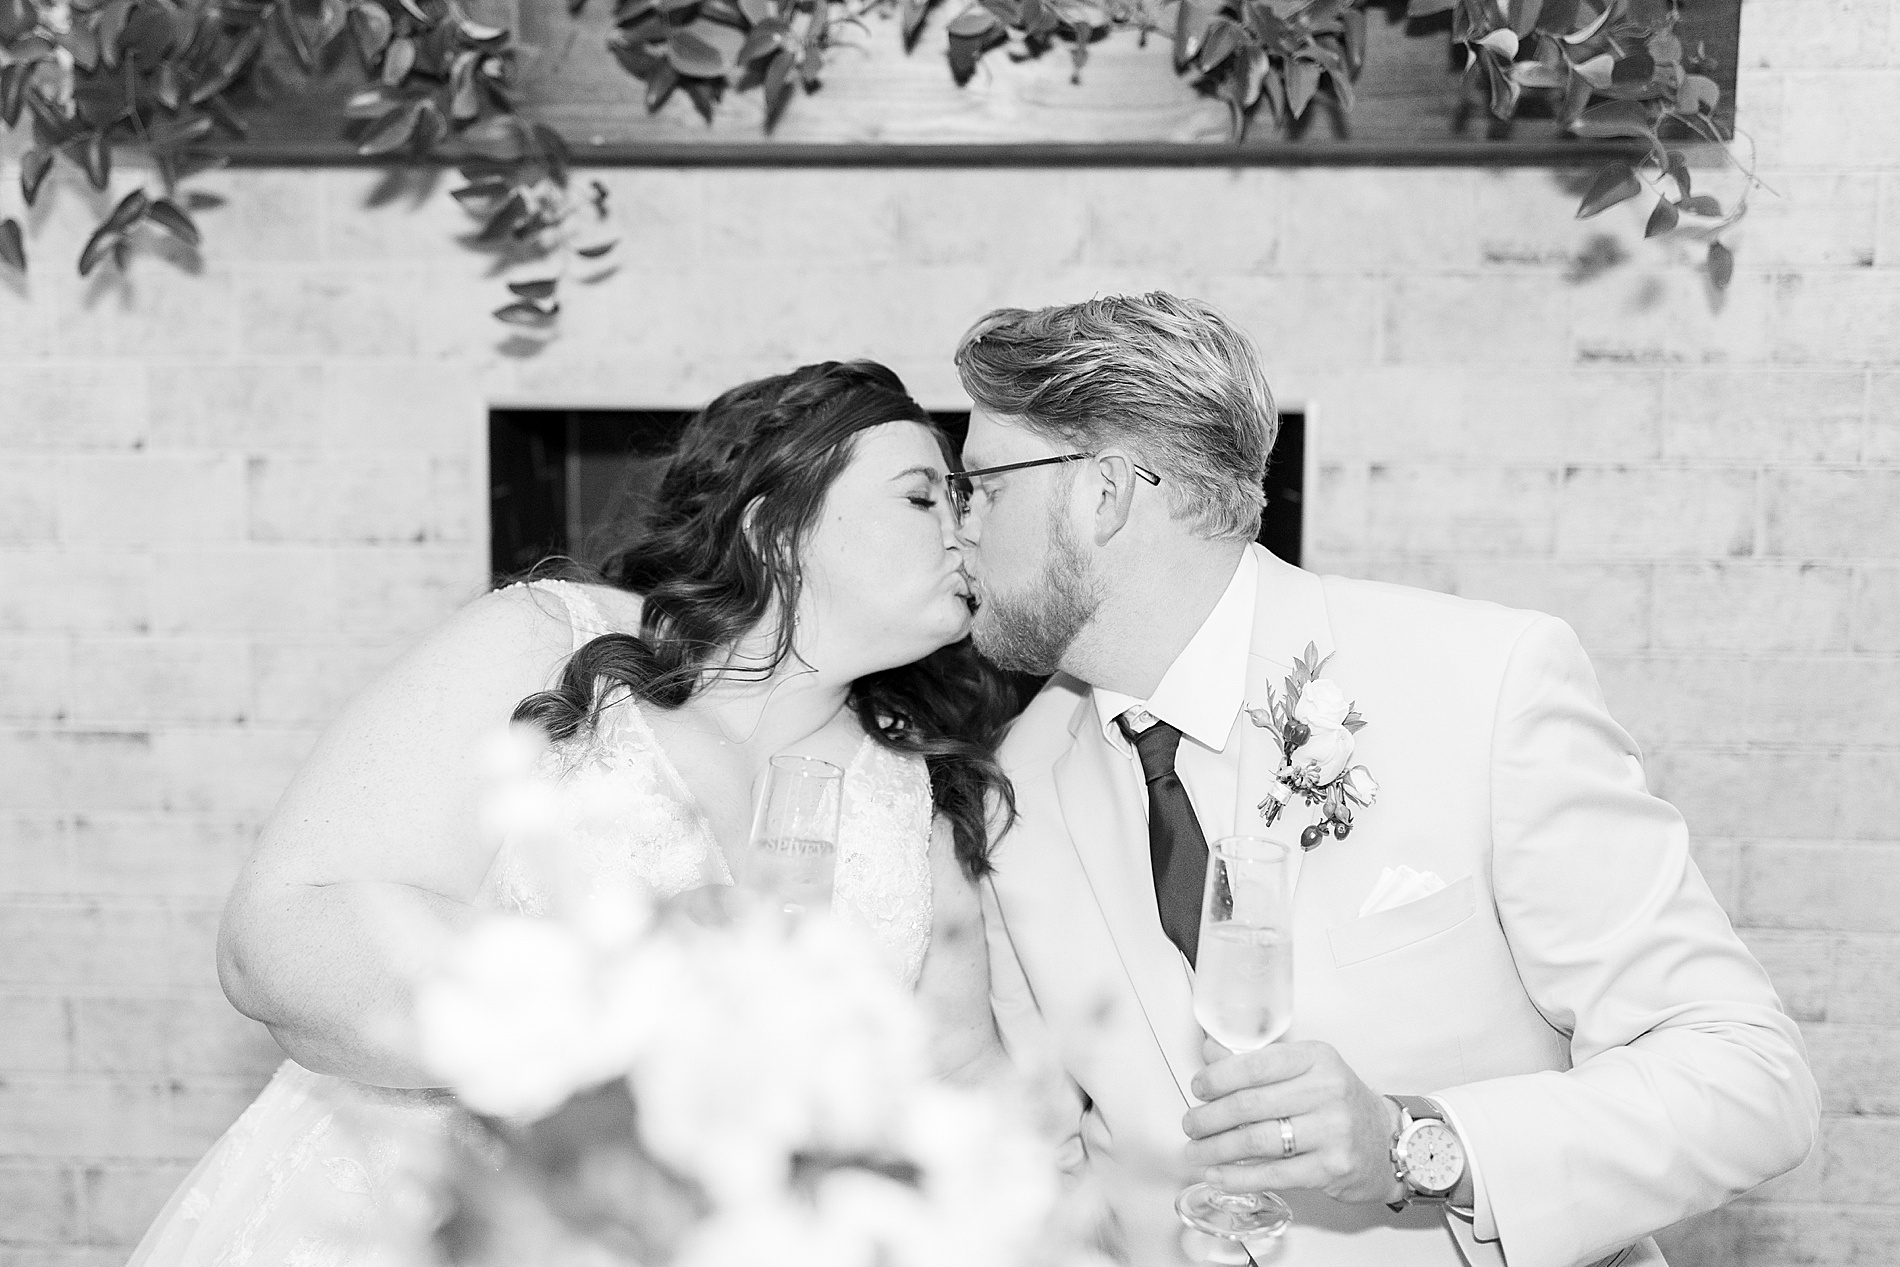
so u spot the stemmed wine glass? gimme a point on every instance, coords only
(1243, 998)
(790, 858)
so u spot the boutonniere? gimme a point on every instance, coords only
(1314, 724)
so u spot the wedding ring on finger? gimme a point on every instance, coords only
(1287, 1145)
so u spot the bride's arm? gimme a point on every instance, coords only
(375, 850)
(955, 985)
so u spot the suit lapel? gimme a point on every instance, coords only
(1289, 613)
(1107, 827)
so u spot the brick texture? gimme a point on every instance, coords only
(228, 499)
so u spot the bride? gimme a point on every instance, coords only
(797, 590)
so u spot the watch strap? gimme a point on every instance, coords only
(1412, 1109)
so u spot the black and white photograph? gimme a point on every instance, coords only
(949, 633)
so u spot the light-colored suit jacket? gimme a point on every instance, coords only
(1615, 1057)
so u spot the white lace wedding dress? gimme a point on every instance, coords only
(301, 1178)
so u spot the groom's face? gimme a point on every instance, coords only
(1033, 581)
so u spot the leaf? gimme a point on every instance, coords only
(231, 67)
(1502, 41)
(1528, 11)
(914, 13)
(1302, 80)
(1662, 219)
(1426, 8)
(763, 41)
(111, 29)
(166, 88)
(692, 55)
(172, 218)
(332, 17)
(975, 23)
(504, 219)
(523, 313)
(1678, 169)
(1588, 30)
(392, 132)
(1702, 205)
(414, 10)
(371, 25)
(1721, 265)
(398, 60)
(13, 81)
(130, 211)
(98, 246)
(97, 160)
(661, 85)
(1614, 118)
(1223, 37)
(1537, 75)
(34, 165)
(1615, 183)
(12, 245)
(1597, 71)
(464, 102)
(478, 32)
(293, 33)
(594, 252)
(1697, 95)
(778, 87)
(371, 103)
(757, 11)
(1634, 70)
(1355, 26)
(540, 289)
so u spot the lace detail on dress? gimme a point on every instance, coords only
(883, 875)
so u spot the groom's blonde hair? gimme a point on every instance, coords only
(1171, 378)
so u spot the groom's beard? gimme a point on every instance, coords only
(1030, 632)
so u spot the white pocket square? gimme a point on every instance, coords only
(1396, 887)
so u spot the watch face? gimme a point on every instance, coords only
(1434, 1158)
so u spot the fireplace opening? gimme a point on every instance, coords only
(573, 481)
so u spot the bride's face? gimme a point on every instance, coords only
(883, 574)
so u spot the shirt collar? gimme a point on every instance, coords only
(1203, 690)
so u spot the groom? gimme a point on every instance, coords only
(1508, 935)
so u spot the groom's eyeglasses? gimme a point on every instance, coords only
(963, 484)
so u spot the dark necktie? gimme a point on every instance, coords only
(1176, 848)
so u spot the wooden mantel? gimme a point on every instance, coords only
(880, 105)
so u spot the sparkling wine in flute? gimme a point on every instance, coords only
(1243, 985)
(1243, 998)
(797, 873)
(790, 857)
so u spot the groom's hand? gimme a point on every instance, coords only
(1342, 1129)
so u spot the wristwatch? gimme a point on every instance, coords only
(1427, 1155)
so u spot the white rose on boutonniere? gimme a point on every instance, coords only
(1327, 752)
(1314, 725)
(1322, 705)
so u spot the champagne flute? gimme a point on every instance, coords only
(791, 856)
(1243, 998)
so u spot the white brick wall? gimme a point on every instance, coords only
(228, 499)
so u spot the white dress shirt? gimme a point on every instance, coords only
(1201, 696)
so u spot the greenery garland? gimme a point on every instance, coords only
(168, 76)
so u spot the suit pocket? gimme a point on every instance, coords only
(1357, 940)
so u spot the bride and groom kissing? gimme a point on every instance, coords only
(1506, 951)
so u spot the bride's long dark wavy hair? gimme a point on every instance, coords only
(719, 554)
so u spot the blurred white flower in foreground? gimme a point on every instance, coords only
(775, 1090)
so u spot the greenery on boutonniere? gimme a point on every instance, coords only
(1313, 724)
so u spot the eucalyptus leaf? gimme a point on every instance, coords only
(109, 28)
(1223, 37)
(1702, 205)
(757, 11)
(392, 132)
(1615, 183)
(171, 217)
(98, 247)
(398, 60)
(690, 54)
(1721, 265)
(292, 31)
(1302, 80)
(523, 313)
(96, 158)
(1697, 95)
(370, 24)
(1354, 21)
(370, 103)
(34, 164)
(1613, 119)
(12, 245)
(230, 66)
(594, 252)
(332, 17)
(1678, 169)
(1637, 68)
(1662, 219)
(542, 288)
(975, 23)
